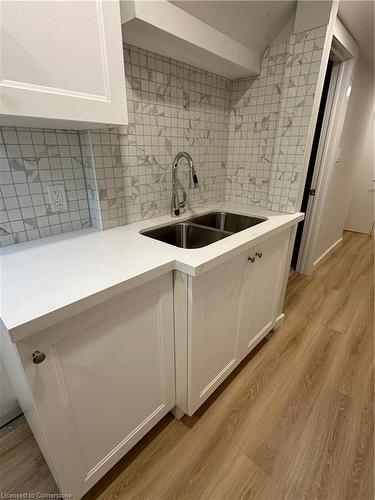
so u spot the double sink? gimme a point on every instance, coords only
(202, 230)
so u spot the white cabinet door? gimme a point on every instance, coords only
(107, 378)
(261, 293)
(213, 314)
(62, 60)
(224, 313)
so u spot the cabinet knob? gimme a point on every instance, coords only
(259, 254)
(38, 357)
(251, 259)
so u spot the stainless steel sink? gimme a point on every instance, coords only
(202, 230)
(186, 235)
(226, 221)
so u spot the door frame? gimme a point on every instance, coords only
(345, 51)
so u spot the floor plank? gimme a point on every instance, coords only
(294, 421)
(22, 466)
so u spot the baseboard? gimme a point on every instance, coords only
(327, 253)
(293, 274)
(177, 412)
(10, 416)
(371, 233)
(279, 321)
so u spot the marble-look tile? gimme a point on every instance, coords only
(30, 160)
(269, 119)
(172, 107)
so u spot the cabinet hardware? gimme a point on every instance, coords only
(251, 259)
(38, 357)
(259, 254)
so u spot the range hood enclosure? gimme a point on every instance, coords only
(161, 27)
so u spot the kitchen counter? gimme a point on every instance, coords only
(46, 281)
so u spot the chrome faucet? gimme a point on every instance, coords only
(176, 203)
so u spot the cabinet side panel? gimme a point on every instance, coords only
(286, 270)
(181, 338)
(21, 388)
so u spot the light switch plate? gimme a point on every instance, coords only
(57, 197)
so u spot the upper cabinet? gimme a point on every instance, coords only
(160, 26)
(62, 61)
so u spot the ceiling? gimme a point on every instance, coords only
(256, 24)
(358, 17)
(253, 23)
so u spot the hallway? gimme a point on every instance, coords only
(293, 422)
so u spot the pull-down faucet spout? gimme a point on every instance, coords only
(194, 183)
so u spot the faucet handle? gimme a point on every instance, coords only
(194, 183)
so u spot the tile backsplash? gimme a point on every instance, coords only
(172, 107)
(247, 139)
(269, 120)
(303, 60)
(254, 113)
(31, 160)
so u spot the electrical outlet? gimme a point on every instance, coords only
(57, 197)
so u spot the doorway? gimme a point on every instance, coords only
(318, 141)
(313, 245)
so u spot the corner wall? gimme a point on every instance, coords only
(269, 124)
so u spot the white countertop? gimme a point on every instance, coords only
(45, 281)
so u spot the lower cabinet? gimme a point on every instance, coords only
(107, 378)
(229, 309)
(213, 324)
(261, 292)
(92, 385)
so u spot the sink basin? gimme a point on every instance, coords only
(186, 235)
(225, 221)
(202, 230)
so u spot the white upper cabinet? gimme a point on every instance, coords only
(62, 60)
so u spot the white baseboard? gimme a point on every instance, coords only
(327, 253)
(279, 321)
(177, 412)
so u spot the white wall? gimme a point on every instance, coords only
(359, 152)
(341, 179)
(310, 15)
(8, 402)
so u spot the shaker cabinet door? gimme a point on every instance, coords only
(107, 378)
(61, 60)
(261, 293)
(213, 321)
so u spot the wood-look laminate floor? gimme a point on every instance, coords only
(295, 420)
